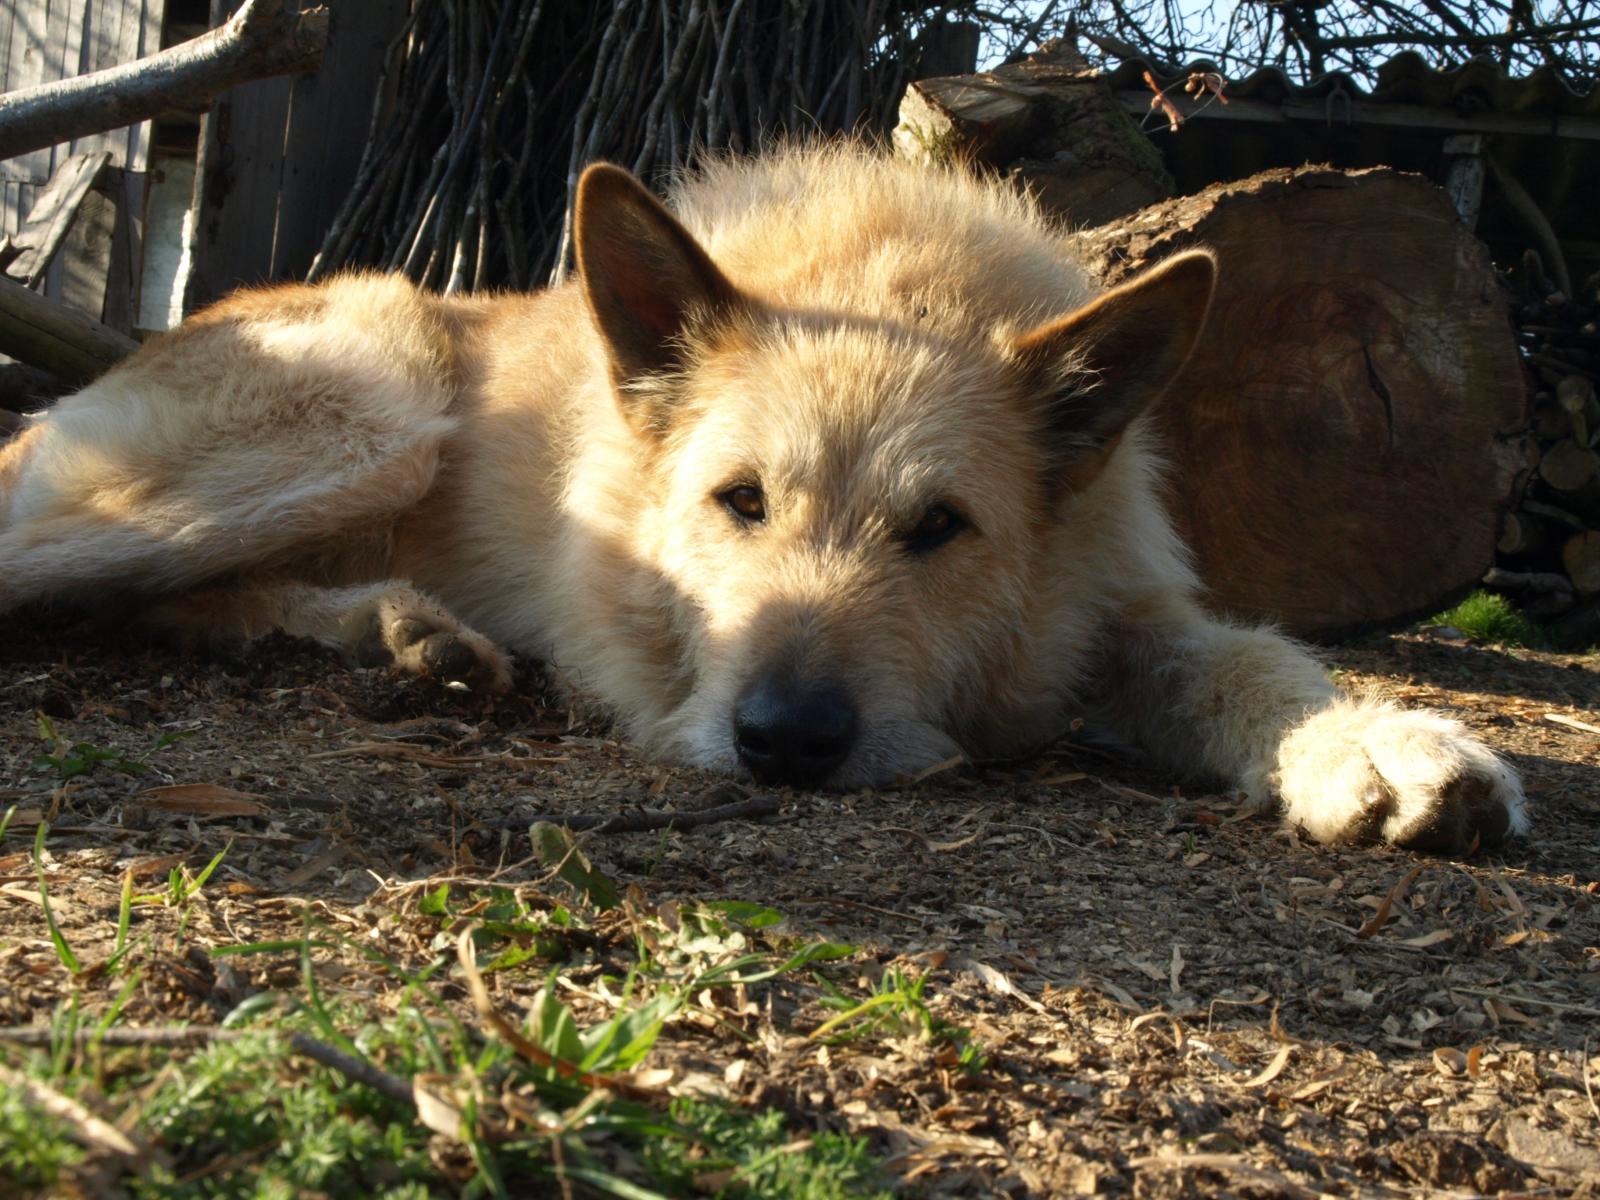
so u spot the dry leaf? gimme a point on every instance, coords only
(1429, 939)
(1272, 1070)
(209, 799)
(1396, 894)
(1447, 1060)
(439, 1106)
(1321, 1084)
(159, 865)
(1499, 1010)
(1000, 983)
(313, 867)
(1180, 1038)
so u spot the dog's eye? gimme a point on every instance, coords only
(745, 502)
(937, 526)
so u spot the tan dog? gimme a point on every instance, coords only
(839, 472)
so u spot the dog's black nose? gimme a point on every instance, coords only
(788, 732)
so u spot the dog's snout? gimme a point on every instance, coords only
(789, 732)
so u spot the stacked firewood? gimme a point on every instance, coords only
(1549, 540)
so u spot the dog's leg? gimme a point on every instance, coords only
(374, 624)
(248, 438)
(1249, 706)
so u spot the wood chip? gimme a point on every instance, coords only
(1572, 723)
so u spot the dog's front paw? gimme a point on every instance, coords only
(1364, 771)
(416, 637)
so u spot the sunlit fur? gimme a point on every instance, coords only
(332, 459)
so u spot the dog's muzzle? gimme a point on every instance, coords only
(791, 732)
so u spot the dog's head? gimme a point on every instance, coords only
(858, 516)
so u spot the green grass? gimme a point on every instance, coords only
(559, 1089)
(898, 1008)
(1488, 617)
(71, 759)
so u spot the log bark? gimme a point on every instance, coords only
(262, 39)
(1051, 123)
(56, 337)
(1346, 433)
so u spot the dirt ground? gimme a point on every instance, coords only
(1177, 997)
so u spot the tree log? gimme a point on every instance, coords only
(1344, 436)
(1569, 467)
(57, 337)
(1524, 535)
(1581, 556)
(262, 39)
(1051, 123)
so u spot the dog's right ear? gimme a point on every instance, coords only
(644, 275)
(1108, 362)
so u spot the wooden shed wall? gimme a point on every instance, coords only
(277, 156)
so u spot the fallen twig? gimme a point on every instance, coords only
(618, 1084)
(1509, 998)
(1571, 723)
(649, 820)
(89, 1129)
(357, 1070)
(1588, 1089)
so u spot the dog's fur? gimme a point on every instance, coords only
(847, 451)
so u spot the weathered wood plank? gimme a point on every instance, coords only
(327, 128)
(277, 157)
(86, 258)
(24, 68)
(45, 228)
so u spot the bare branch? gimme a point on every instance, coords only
(262, 39)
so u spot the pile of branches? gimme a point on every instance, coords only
(489, 109)
(1309, 38)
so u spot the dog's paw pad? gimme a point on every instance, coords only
(1374, 772)
(436, 648)
(447, 657)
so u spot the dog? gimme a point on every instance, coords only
(835, 469)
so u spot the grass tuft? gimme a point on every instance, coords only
(1488, 617)
(535, 1090)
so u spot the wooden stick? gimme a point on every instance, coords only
(355, 1069)
(262, 39)
(648, 820)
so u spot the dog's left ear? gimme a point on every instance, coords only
(1106, 363)
(643, 273)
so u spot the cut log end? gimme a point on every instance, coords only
(1339, 438)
